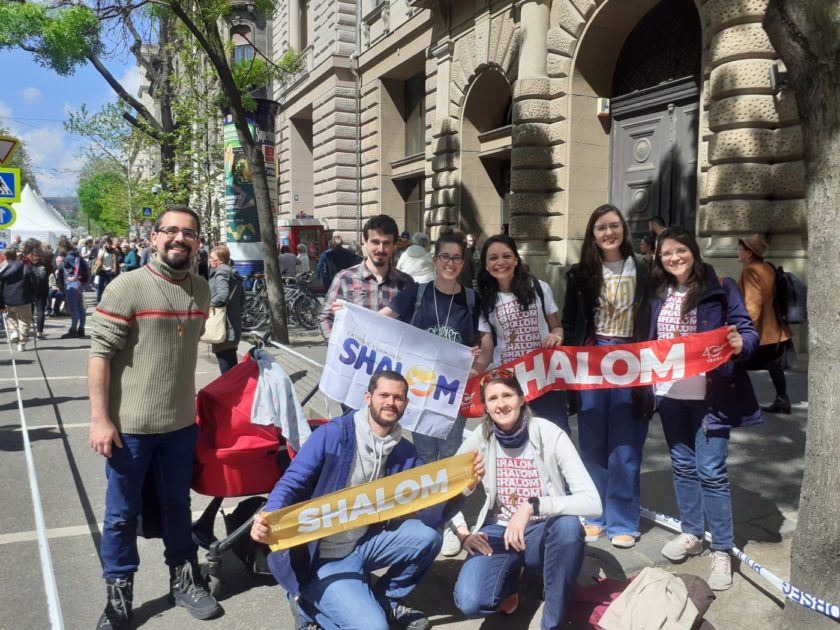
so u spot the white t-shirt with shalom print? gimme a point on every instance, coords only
(670, 324)
(517, 479)
(517, 331)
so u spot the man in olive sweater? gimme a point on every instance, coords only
(141, 380)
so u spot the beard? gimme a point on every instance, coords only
(176, 259)
(376, 416)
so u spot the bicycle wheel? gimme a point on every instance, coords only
(255, 313)
(306, 310)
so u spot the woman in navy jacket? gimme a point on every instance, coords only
(698, 412)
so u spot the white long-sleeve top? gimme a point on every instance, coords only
(558, 464)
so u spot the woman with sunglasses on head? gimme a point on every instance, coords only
(605, 302)
(698, 412)
(529, 519)
(518, 315)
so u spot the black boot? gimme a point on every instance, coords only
(780, 405)
(81, 333)
(187, 589)
(117, 611)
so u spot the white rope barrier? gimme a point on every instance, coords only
(53, 604)
(790, 592)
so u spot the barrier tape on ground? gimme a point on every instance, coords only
(53, 604)
(790, 592)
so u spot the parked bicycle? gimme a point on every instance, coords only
(302, 307)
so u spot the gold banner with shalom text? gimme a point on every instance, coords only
(369, 503)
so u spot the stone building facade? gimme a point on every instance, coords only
(527, 114)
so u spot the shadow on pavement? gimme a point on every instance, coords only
(37, 402)
(11, 439)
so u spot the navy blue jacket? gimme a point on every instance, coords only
(730, 398)
(17, 284)
(323, 466)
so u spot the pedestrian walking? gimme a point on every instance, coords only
(698, 412)
(416, 261)
(518, 315)
(529, 521)
(303, 263)
(330, 578)
(335, 259)
(374, 282)
(226, 291)
(41, 266)
(141, 381)
(606, 297)
(17, 291)
(75, 276)
(758, 286)
(106, 267)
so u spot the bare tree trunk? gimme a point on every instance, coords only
(806, 34)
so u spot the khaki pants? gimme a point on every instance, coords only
(19, 320)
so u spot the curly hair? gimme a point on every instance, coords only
(488, 287)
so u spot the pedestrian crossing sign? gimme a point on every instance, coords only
(9, 185)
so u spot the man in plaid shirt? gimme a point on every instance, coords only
(374, 282)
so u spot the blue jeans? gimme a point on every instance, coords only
(432, 449)
(553, 551)
(76, 306)
(701, 482)
(338, 594)
(611, 444)
(554, 407)
(170, 457)
(105, 278)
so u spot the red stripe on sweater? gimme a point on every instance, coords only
(152, 313)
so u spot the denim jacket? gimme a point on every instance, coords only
(730, 399)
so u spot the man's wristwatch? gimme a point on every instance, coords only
(535, 504)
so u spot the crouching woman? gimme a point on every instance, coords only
(528, 519)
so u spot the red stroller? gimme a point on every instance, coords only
(234, 458)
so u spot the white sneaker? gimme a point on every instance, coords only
(720, 578)
(13, 337)
(681, 547)
(21, 347)
(41, 335)
(451, 544)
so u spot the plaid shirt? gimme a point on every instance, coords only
(359, 286)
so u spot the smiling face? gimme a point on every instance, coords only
(676, 259)
(386, 404)
(609, 233)
(501, 262)
(176, 249)
(449, 261)
(504, 405)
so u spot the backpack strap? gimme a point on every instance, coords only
(421, 291)
(541, 295)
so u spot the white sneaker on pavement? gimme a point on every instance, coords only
(681, 547)
(21, 347)
(451, 544)
(720, 578)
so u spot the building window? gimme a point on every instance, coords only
(414, 114)
(412, 192)
(243, 50)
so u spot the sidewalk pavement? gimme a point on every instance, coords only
(765, 468)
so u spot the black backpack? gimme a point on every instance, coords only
(790, 298)
(82, 270)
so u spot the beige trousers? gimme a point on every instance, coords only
(19, 320)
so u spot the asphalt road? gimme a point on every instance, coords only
(765, 467)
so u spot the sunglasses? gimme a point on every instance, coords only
(498, 374)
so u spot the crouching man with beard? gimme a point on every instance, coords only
(330, 578)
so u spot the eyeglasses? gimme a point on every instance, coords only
(679, 253)
(171, 231)
(615, 227)
(497, 374)
(446, 258)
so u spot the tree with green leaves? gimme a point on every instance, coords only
(806, 35)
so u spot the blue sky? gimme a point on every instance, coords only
(34, 102)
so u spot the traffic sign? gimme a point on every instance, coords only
(147, 212)
(9, 185)
(8, 145)
(7, 217)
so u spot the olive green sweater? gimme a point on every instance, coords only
(136, 326)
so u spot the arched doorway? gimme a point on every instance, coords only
(655, 117)
(484, 189)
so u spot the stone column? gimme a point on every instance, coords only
(294, 23)
(536, 180)
(440, 182)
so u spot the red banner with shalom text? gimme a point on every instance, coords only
(602, 367)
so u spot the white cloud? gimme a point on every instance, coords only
(132, 79)
(30, 94)
(54, 153)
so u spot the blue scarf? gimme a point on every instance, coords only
(516, 438)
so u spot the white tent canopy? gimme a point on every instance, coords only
(37, 219)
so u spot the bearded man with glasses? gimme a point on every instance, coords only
(141, 382)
